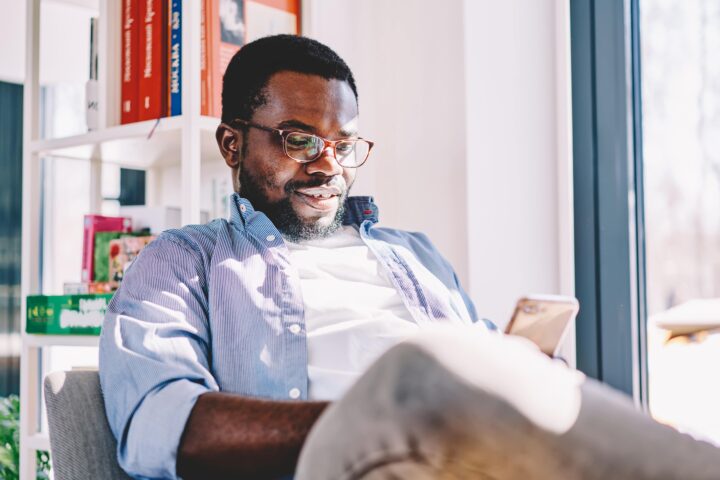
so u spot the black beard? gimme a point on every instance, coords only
(282, 214)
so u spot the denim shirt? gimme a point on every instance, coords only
(215, 307)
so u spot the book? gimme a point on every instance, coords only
(91, 225)
(152, 84)
(223, 33)
(205, 70)
(102, 252)
(175, 58)
(122, 253)
(130, 61)
(228, 36)
(226, 25)
(270, 17)
(80, 288)
(66, 314)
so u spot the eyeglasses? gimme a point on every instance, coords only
(305, 147)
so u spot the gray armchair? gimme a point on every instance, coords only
(81, 443)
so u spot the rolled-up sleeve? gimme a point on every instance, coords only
(155, 355)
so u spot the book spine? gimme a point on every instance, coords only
(151, 60)
(205, 68)
(130, 61)
(174, 83)
(164, 63)
(215, 93)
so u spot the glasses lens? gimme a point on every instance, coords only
(303, 147)
(352, 153)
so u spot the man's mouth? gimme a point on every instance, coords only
(320, 198)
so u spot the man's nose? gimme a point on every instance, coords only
(326, 164)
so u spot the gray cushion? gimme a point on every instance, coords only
(81, 442)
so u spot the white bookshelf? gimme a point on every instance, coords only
(129, 145)
(39, 341)
(183, 143)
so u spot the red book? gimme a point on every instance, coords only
(153, 59)
(91, 225)
(130, 61)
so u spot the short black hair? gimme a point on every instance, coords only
(252, 66)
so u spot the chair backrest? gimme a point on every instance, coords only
(81, 442)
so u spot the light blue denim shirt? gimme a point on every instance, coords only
(210, 308)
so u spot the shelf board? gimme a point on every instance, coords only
(134, 145)
(39, 340)
(38, 441)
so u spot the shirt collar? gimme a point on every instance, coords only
(357, 210)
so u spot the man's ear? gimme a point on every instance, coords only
(229, 141)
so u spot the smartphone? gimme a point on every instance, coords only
(544, 319)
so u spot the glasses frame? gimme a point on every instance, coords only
(284, 134)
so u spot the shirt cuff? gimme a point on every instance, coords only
(150, 448)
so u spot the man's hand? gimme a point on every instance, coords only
(230, 436)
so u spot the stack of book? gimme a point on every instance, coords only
(151, 59)
(109, 247)
(151, 70)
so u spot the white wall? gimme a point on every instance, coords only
(468, 101)
(64, 41)
(12, 39)
(407, 57)
(512, 121)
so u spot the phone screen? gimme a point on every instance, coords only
(544, 320)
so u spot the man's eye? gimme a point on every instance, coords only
(300, 142)
(344, 148)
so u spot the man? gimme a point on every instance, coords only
(209, 337)
(225, 341)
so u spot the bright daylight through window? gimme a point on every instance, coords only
(681, 134)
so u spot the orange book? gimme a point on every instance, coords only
(205, 78)
(228, 35)
(227, 26)
(223, 33)
(269, 17)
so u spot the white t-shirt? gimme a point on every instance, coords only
(353, 313)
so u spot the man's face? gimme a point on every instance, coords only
(303, 200)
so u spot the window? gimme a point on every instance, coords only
(681, 163)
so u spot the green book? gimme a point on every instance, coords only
(101, 263)
(101, 254)
(66, 314)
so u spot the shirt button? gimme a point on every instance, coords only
(270, 238)
(243, 208)
(295, 328)
(294, 393)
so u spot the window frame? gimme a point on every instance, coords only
(608, 194)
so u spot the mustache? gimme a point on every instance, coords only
(337, 182)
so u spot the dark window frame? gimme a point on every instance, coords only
(608, 193)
